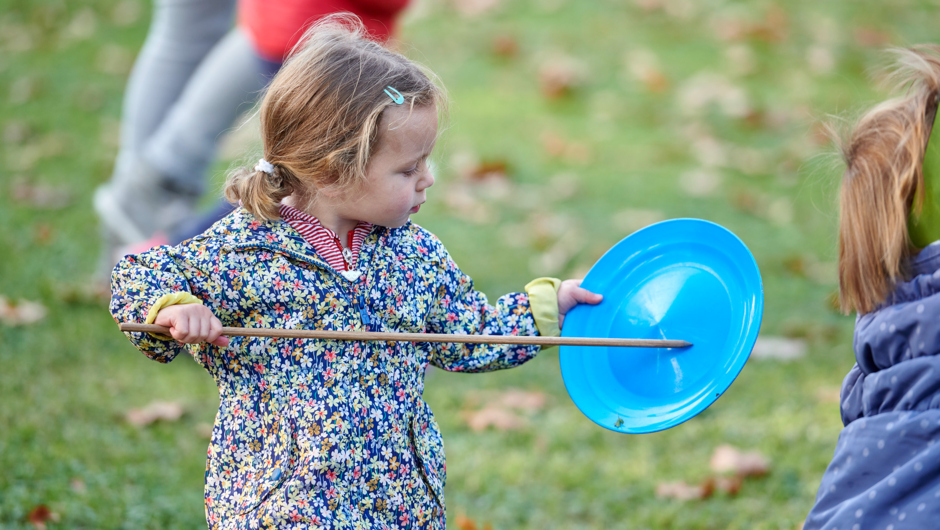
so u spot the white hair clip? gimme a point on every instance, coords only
(264, 165)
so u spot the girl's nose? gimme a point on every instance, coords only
(426, 180)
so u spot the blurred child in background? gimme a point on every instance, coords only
(195, 75)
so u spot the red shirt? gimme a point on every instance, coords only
(275, 26)
(324, 240)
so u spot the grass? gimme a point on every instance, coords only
(593, 164)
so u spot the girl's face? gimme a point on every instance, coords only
(397, 174)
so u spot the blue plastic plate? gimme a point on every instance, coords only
(685, 279)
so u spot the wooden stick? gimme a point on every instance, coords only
(425, 337)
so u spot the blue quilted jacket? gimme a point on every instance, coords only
(885, 473)
(311, 433)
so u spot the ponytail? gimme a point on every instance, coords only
(884, 181)
(260, 192)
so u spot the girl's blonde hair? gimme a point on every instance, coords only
(884, 180)
(320, 115)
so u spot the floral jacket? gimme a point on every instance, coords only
(312, 433)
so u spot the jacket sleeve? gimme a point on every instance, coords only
(139, 281)
(459, 309)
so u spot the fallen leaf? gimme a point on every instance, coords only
(78, 485)
(820, 59)
(43, 233)
(700, 182)
(16, 37)
(474, 8)
(204, 430)
(514, 398)
(829, 395)
(773, 28)
(742, 59)
(20, 312)
(40, 195)
(558, 147)
(681, 491)
(779, 348)
(489, 169)
(82, 26)
(780, 211)
(126, 12)
(40, 515)
(23, 89)
(465, 523)
(16, 132)
(560, 75)
(729, 485)
(155, 411)
(707, 88)
(871, 37)
(729, 459)
(505, 46)
(497, 418)
(644, 66)
(114, 59)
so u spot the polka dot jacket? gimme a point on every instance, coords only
(311, 433)
(885, 473)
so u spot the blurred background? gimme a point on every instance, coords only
(572, 124)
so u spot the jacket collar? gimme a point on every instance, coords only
(927, 261)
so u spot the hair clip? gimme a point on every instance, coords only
(399, 99)
(264, 165)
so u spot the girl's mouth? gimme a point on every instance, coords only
(415, 209)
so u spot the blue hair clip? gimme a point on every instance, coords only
(397, 97)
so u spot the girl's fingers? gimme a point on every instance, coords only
(204, 326)
(215, 333)
(583, 296)
(179, 329)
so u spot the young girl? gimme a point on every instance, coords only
(329, 434)
(885, 473)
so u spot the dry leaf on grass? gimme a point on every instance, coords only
(501, 410)
(40, 195)
(643, 65)
(779, 348)
(681, 491)
(560, 75)
(505, 46)
(474, 8)
(126, 12)
(492, 416)
(829, 395)
(20, 312)
(871, 37)
(155, 411)
(78, 485)
(465, 523)
(700, 182)
(40, 515)
(730, 459)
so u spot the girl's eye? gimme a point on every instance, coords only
(412, 171)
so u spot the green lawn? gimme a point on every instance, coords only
(676, 108)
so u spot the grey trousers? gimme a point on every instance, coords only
(194, 76)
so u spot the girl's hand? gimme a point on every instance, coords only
(192, 323)
(571, 294)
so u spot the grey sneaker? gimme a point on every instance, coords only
(132, 210)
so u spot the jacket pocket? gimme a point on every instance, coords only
(270, 466)
(428, 448)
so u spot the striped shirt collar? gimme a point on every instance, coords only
(326, 242)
